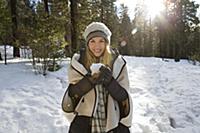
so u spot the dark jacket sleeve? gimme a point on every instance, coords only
(117, 91)
(76, 91)
(121, 96)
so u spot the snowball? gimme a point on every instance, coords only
(95, 67)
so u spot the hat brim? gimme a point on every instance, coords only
(96, 34)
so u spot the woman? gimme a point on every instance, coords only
(98, 101)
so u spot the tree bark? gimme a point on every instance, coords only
(13, 6)
(5, 54)
(0, 57)
(46, 6)
(102, 12)
(73, 13)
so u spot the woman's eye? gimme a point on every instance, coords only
(92, 41)
(102, 41)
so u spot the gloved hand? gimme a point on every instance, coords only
(105, 75)
(111, 84)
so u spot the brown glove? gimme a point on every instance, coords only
(111, 84)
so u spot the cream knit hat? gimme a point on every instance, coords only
(97, 29)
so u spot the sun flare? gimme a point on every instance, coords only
(154, 7)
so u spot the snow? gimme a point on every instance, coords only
(30, 103)
(165, 97)
(164, 91)
(95, 67)
(9, 52)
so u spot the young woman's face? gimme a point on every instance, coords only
(97, 46)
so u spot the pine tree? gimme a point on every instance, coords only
(101, 11)
(110, 18)
(74, 24)
(13, 7)
(5, 23)
(175, 25)
(5, 26)
(140, 23)
(125, 31)
(43, 30)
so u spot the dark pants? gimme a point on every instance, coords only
(82, 124)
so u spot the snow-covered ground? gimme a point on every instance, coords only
(166, 97)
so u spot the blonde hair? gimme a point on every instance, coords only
(105, 59)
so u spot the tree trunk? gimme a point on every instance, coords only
(0, 57)
(5, 54)
(161, 43)
(46, 6)
(16, 51)
(73, 12)
(102, 12)
(180, 32)
(13, 6)
(150, 42)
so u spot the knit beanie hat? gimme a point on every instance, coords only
(97, 29)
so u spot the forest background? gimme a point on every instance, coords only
(53, 29)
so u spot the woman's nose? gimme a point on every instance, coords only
(97, 44)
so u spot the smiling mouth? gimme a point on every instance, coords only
(98, 51)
